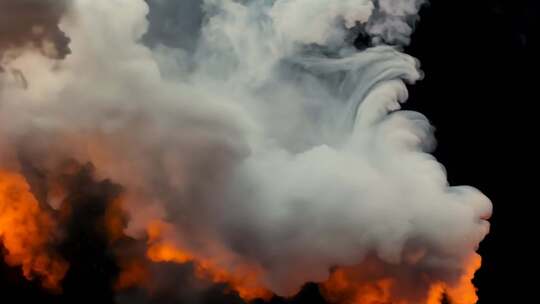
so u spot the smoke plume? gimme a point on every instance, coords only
(252, 141)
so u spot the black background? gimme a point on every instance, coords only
(480, 92)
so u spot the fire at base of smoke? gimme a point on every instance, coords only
(260, 152)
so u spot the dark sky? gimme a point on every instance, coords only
(480, 91)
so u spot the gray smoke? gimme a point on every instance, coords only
(255, 126)
(393, 21)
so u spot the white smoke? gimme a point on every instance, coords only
(272, 136)
(394, 20)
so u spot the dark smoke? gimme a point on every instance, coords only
(86, 244)
(83, 242)
(95, 260)
(34, 23)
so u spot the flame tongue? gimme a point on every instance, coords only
(25, 231)
(244, 279)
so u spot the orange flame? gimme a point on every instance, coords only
(244, 280)
(463, 292)
(133, 273)
(25, 230)
(343, 287)
(340, 288)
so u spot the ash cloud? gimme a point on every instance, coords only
(260, 133)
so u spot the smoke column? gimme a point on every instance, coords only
(255, 139)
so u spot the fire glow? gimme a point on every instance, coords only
(25, 230)
(257, 144)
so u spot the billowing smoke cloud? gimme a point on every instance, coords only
(258, 138)
(393, 21)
